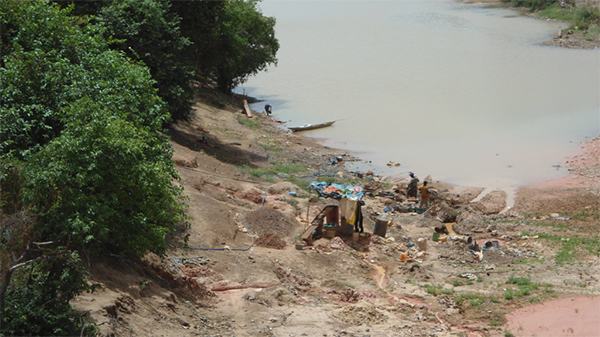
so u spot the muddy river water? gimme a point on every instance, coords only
(463, 92)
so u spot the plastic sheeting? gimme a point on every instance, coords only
(337, 191)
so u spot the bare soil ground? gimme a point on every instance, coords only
(243, 276)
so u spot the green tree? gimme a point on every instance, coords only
(248, 44)
(82, 150)
(200, 23)
(46, 67)
(149, 31)
(232, 39)
(105, 181)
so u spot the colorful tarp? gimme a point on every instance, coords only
(337, 191)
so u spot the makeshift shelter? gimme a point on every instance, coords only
(335, 220)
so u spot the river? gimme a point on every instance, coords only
(462, 92)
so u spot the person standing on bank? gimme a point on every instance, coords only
(412, 186)
(268, 109)
(358, 223)
(424, 195)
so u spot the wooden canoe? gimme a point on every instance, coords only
(306, 127)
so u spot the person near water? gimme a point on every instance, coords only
(412, 186)
(268, 109)
(424, 195)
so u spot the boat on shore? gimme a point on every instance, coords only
(306, 127)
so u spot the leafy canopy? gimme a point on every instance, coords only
(248, 43)
(148, 30)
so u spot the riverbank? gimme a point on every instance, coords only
(567, 37)
(246, 182)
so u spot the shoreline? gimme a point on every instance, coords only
(579, 163)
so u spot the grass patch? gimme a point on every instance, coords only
(457, 283)
(258, 172)
(584, 18)
(251, 124)
(300, 183)
(438, 290)
(558, 13)
(269, 147)
(348, 284)
(519, 280)
(289, 168)
(572, 247)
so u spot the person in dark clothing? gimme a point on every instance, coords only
(358, 223)
(268, 109)
(412, 186)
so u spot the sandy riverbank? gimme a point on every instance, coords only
(244, 276)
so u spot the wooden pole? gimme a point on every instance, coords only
(247, 109)
(307, 208)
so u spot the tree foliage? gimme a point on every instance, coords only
(83, 151)
(47, 67)
(84, 162)
(149, 31)
(248, 43)
(232, 39)
(104, 180)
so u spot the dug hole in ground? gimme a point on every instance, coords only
(244, 275)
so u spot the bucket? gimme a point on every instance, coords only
(330, 233)
(381, 225)
(355, 236)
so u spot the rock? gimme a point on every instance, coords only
(491, 228)
(182, 321)
(452, 311)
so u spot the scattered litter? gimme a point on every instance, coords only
(469, 276)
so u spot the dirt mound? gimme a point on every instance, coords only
(335, 285)
(492, 203)
(284, 296)
(498, 256)
(469, 222)
(416, 272)
(254, 196)
(338, 243)
(351, 296)
(270, 240)
(267, 220)
(283, 187)
(291, 279)
(360, 313)
(456, 253)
